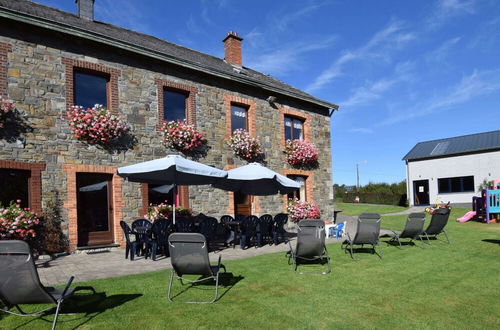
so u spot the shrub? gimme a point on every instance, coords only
(17, 223)
(181, 136)
(245, 146)
(165, 211)
(6, 106)
(299, 210)
(95, 125)
(301, 153)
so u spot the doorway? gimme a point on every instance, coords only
(242, 204)
(421, 192)
(94, 209)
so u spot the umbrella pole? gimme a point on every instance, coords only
(175, 202)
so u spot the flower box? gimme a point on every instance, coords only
(301, 153)
(181, 136)
(245, 146)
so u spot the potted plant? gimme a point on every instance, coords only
(300, 153)
(299, 210)
(245, 146)
(181, 136)
(17, 222)
(6, 107)
(164, 211)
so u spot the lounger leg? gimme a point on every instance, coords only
(350, 248)
(400, 245)
(127, 250)
(446, 235)
(170, 285)
(216, 288)
(421, 241)
(59, 303)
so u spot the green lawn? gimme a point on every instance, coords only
(442, 286)
(356, 209)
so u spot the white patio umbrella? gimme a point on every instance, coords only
(255, 179)
(172, 169)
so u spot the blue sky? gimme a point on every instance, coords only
(401, 71)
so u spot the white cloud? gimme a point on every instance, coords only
(439, 54)
(283, 21)
(112, 11)
(380, 45)
(448, 9)
(361, 130)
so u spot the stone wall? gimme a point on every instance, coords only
(37, 83)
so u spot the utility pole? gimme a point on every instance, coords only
(357, 177)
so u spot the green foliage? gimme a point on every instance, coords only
(374, 193)
(485, 185)
(354, 209)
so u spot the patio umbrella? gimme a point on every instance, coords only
(172, 169)
(255, 179)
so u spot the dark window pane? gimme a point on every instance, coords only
(443, 185)
(14, 187)
(158, 194)
(456, 184)
(238, 117)
(92, 201)
(174, 105)
(297, 129)
(468, 183)
(90, 90)
(288, 128)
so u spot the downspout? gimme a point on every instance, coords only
(408, 182)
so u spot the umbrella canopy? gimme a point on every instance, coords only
(172, 169)
(255, 179)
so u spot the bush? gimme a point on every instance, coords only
(17, 223)
(376, 198)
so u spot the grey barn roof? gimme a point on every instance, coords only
(58, 20)
(487, 141)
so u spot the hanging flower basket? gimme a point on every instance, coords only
(164, 211)
(302, 210)
(95, 125)
(17, 223)
(181, 136)
(245, 146)
(6, 107)
(301, 153)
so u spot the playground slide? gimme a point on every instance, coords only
(467, 216)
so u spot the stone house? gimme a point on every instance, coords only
(51, 60)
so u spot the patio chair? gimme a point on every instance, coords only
(278, 230)
(141, 228)
(367, 232)
(208, 229)
(310, 244)
(189, 256)
(130, 245)
(183, 225)
(338, 230)
(413, 229)
(161, 229)
(264, 229)
(20, 284)
(248, 231)
(439, 220)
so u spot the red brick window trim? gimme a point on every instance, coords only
(111, 74)
(305, 118)
(190, 92)
(4, 49)
(183, 192)
(254, 200)
(34, 181)
(247, 103)
(71, 202)
(309, 176)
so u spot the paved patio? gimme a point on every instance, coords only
(112, 263)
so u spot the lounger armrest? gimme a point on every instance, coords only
(63, 295)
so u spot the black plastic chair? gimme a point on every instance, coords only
(413, 229)
(161, 229)
(130, 245)
(20, 283)
(367, 232)
(439, 220)
(310, 244)
(183, 225)
(142, 230)
(264, 229)
(278, 230)
(248, 231)
(189, 256)
(208, 228)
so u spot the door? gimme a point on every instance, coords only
(94, 207)
(242, 204)
(421, 192)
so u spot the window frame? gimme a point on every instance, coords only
(294, 193)
(242, 106)
(309, 184)
(449, 190)
(304, 117)
(89, 72)
(4, 50)
(190, 92)
(242, 102)
(293, 120)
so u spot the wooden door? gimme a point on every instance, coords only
(242, 204)
(421, 192)
(94, 207)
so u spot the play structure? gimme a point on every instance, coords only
(485, 208)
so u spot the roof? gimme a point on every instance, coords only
(473, 143)
(61, 21)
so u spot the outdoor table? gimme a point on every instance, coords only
(234, 227)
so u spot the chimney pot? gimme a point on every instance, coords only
(232, 48)
(86, 9)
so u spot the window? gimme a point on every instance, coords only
(458, 184)
(16, 187)
(174, 105)
(301, 193)
(239, 117)
(294, 128)
(158, 194)
(90, 89)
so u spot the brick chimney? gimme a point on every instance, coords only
(86, 9)
(232, 48)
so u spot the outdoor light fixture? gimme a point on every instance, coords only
(271, 99)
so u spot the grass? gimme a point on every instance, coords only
(442, 286)
(356, 209)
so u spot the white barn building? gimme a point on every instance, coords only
(452, 169)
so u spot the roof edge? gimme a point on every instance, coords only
(470, 152)
(97, 37)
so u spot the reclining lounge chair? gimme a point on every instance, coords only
(414, 228)
(367, 232)
(438, 222)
